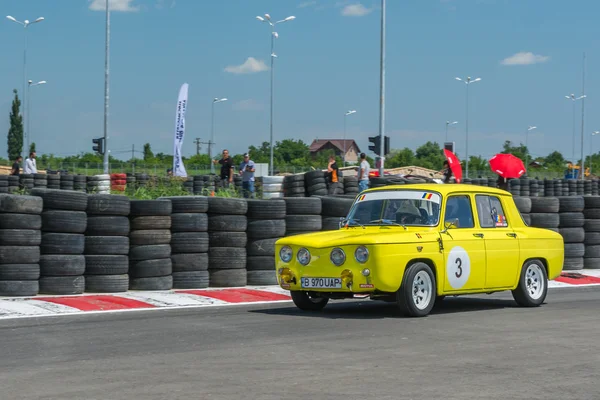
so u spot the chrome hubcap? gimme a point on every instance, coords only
(534, 281)
(421, 290)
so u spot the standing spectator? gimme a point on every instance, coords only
(363, 173)
(16, 167)
(247, 169)
(226, 168)
(446, 172)
(333, 174)
(30, 165)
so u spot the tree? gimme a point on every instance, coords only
(519, 151)
(15, 132)
(32, 147)
(148, 155)
(399, 158)
(430, 155)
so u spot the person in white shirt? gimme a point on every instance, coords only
(30, 165)
(363, 173)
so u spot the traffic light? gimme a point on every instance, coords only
(99, 145)
(376, 147)
(386, 145)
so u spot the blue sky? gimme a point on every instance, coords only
(328, 62)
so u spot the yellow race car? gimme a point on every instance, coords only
(416, 244)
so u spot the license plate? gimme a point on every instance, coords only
(321, 283)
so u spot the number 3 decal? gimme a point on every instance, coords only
(458, 267)
(458, 273)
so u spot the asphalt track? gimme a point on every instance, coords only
(480, 347)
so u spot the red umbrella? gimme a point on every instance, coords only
(507, 165)
(454, 165)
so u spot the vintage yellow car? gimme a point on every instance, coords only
(416, 244)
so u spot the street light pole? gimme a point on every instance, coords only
(349, 112)
(25, 24)
(212, 132)
(447, 124)
(106, 88)
(582, 120)
(467, 82)
(29, 85)
(274, 35)
(574, 99)
(530, 128)
(382, 93)
(591, 153)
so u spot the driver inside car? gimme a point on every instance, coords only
(408, 213)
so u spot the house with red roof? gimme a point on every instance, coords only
(339, 146)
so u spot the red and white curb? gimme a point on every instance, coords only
(89, 303)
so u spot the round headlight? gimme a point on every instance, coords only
(303, 256)
(286, 254)
(337, 256)
(361, 254)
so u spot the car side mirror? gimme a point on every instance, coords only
(451, 224)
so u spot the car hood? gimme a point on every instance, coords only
(361, 236)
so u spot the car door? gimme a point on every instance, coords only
(464, 247)
(501, 243)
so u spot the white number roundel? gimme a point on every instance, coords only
(458, 267)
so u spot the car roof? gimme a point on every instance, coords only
(444, 189)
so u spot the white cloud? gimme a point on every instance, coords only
(114, 5)
(355, 10)
(248, 105)
(525, 58)
(250, 66)
(307, 4)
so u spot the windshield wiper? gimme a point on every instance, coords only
(351, 222)
(388, 222)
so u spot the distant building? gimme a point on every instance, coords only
(337, 145)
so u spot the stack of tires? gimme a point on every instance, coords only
(26, 181)
(13, 183)
(4, 183)
(150, 266)
(350, 185)
(266, 224)
(53, 181)
(99, 184)
(272, 187)
(544, 213)
(141, 179)
(20, 239)
(80, 183)
(131, 181)
(580, 187)
(189, 241)
(587, 188)
(571, 224)
(572, 187)
(64, 222)
(188, 184)
(107, 244)
(549, 188)
(534, 188)
(294, 186)
(40, 181)
(118, 183)
(315, 182)
(67, 182)
(524, 205)
(334, 208)
(514, 187)
(199, 185)
(227, 224)
(302, 215)
(595, 187)
(592, 232)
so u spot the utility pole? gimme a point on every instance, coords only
(210, 145)
(133, 158)
(197, 142)
(382, 92)
(106, 88)
(582, 172)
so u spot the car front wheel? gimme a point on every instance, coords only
(307, 302)
(533, 285)
(417, 293)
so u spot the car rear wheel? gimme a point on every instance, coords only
(417, 293)
(533, 285)
(308, 302)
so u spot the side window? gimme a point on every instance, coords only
(459, 212)
(490, 212)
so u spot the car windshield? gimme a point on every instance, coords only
(396, 207)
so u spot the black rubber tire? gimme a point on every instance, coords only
(150, 268)
(21, 221)
(228, 239)
(303, 223)
(108, 204)
(544, 220)
(189, 222)
(266, 228)
(591, 238)
(149, 237)
(573, 264)
(190, 280)
(62, 199)
(592, 213)
(574, 250)
(148, 222)
(107, 225)
(227, 258)
(62, 243)
(404, 296)
(107, 283)
(151, 252)
(261, 278)
(19, 272)
(65, 285)
(592, 251)
(20, 237)
(228, 206)
(592, 225)
(523, 204)
(521, 295)
(571, 204)
(19, 288)
(228, 278)
(227, 223)
(591, 263)
(572, 235)
(10, 203)
(154, 283)
(571, 220)
(266, 209)
(305, 302)
(189, 242)
(260, 263)
(62, 265)
(100, 245)
(336, 206)
(189, 262)
(106, 265)
(330, 223)
(263, 247)
(303, 206)
(591, 202)
(62, 221)
(544, 205)
(188, 204)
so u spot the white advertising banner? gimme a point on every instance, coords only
(178, 167)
